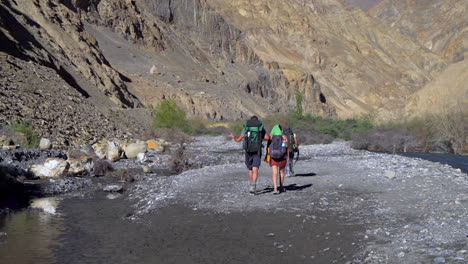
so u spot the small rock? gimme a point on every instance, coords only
(147, 169)
(142, 157)
(112, 196)
(401, 254)
(45, 143)
(113, 188)
(270, 235)
(390, 174)
(439, 260)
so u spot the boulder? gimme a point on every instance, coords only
(156, 145)
(52, 167)
(100, 149)
(87, 149)
(80, 166)
(132, 150)
(45, 143)
(113, 151)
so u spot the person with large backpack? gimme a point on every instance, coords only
(294, 144)
(278, 149)
(253, 135)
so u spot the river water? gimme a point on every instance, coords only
(456, 161)
(96, 230)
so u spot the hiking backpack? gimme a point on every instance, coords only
(292, 141)
(278, 148)
(253, 136)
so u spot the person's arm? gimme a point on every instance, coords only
(295, 140)
(237, 139)
(287, 144)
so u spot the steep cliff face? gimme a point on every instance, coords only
(230, 59)
(49, 33)
(223, 59)
(359, 64)
(439, 25)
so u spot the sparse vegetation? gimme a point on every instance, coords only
(168, 116)
(434, 132)
(316, 129)
(28, 137)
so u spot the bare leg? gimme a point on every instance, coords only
(253, 174)
(282, 174)
(274, 176)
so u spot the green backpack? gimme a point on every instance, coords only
(253, 136)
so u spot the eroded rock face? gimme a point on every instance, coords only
(439, 25)
(220, 59)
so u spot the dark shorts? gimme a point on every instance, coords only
(253, 160)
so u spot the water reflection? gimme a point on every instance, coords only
(31, 234)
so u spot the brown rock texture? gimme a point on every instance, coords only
(439, 25)
(51, 34)
(220, 59)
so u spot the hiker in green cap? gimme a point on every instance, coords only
(253, 134)
(278, 149)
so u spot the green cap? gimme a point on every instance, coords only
(276, 131)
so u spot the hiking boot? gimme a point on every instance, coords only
(252, 189)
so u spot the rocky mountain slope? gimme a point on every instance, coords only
(364, 4)
(439, 25)
(219, 59)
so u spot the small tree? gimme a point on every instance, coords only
(169, 115)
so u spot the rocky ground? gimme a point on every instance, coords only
(412, 210)
(343, 206)
(36, 94)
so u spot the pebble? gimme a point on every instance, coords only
(270, 235)
(439, 260)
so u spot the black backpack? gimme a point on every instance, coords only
(292, 142)
(253, 136)
(278, 150)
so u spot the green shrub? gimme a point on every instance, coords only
(25, 127)
(169, 115)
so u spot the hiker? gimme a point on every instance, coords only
(278, 149)
(253, 134)
(294, 144)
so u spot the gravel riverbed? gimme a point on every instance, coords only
(413, 210)
(343, 206)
